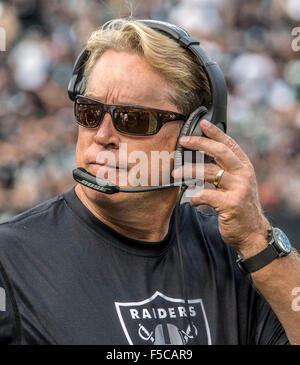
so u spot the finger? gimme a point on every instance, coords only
(222, 154)
(206, 172)
(215, 133)
(189, 171)
(213, 198)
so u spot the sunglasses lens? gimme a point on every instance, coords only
(88, 113)
(135, 121)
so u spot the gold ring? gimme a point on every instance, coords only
(218, 177)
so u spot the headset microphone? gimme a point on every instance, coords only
(85, 178)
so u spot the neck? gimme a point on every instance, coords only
(142, 216)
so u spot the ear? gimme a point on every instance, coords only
(190, 128)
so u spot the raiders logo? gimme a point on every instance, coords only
(161, 320)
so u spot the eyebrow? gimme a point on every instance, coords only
(94, 96)
(102, 99)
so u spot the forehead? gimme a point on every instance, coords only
(127, 78)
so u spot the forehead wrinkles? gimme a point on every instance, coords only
(125, 78)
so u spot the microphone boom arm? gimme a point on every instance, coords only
(85, 178)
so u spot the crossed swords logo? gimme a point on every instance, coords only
(185, 335)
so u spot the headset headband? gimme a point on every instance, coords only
(217, 113)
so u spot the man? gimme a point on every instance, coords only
(91, 268)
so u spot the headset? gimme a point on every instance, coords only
(216, 113)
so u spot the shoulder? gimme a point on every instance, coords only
(31, 224)
(30, 215)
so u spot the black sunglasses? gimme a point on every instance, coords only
(128, 119)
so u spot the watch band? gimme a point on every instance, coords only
(258, 261)
(278, 246)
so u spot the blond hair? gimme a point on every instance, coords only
(184, 75)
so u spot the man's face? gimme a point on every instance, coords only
(124, 78)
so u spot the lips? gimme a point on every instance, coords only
(106, 165)
(96, 168)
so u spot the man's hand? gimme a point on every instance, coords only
(241, 221)
(242, 224)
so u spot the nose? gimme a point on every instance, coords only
(107, 135)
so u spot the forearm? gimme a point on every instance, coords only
(276, 282)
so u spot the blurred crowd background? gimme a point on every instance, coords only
(251, 41)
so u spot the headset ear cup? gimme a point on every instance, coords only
(77, 83)
(194, 126)
(188, 129)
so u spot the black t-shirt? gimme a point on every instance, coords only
(67, 278)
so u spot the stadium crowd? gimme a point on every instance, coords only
(251, 41)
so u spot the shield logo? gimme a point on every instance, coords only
(161, 320)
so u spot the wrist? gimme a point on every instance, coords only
(278, 245)
(256, 242)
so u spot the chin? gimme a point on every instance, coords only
(96, 196)
(102, 199)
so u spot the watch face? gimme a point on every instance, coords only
(281, 240)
